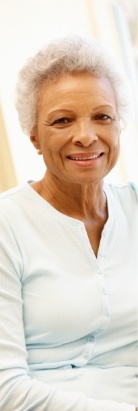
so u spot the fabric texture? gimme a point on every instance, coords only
(68, 319)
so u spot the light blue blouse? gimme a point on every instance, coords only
(68, 319)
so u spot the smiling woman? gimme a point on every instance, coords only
(67, 265)
(87, 138)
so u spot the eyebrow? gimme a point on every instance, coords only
(70, 111)
(103, 106)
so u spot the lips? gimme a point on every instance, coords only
(84, 157)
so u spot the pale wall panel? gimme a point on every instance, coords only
(7, 172)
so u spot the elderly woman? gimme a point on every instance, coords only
(68, 243)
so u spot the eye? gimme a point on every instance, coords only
(104, 118)
(62, 120)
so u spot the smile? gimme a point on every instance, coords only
(84, 157)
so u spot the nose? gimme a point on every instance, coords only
(85, 134)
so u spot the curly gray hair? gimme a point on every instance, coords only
(71, 54)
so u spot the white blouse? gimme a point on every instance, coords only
(68, 319)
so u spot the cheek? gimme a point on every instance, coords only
(115, 149)
(54, 143)
(115, 142)
(51, 150)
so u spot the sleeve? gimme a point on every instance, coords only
(17, 390)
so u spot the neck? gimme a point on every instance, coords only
(77, 201)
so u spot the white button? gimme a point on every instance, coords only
(104, 291)
(99, 271)
(107, 313)
(91, 338)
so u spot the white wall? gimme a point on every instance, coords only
(26, 25)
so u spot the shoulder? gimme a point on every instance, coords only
(13, 208)
(13, 191)
(12, 196)
(123, 199)
(122, 191)
(11, 203)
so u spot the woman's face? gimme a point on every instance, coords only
(78, 128)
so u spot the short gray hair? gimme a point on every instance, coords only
(71, 54)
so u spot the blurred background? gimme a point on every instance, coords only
(25, 26)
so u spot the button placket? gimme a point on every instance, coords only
(89, 347)
(97, 265)
(106, 311)
(102, 246)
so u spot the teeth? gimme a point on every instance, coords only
(84, 158)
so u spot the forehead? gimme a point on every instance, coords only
(70, 88)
